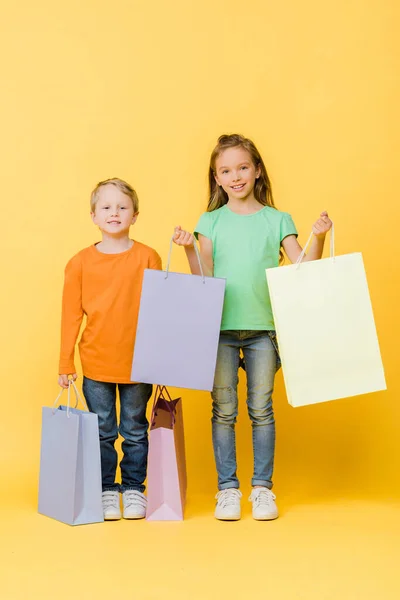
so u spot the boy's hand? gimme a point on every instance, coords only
(322, 226)
(182, 237)
(63, 380)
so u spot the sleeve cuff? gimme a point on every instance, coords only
(66, 368)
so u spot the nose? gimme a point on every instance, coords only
(115, 211)
(236, 176)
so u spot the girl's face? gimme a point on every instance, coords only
(114, 211)
(236, 173)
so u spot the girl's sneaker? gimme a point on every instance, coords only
(111, 507)
(228, 505)
(264, 507)
(135, 504)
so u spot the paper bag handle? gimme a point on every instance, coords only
(160, 394)
(169, 259)
(332, 246)
(78, 398)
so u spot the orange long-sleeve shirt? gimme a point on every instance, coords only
(106, 288)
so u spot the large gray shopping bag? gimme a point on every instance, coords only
(166, 467)
(70, 470)
(325, 328)
(178, 329)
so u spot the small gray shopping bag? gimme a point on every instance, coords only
(70, 470)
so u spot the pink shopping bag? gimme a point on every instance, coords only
(166, 467)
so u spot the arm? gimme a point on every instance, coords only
(320, 228)
(186, 239)
(71, 320)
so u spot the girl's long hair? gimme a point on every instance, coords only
(262, 188)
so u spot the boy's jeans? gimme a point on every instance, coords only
(261, 359)
(101, 399)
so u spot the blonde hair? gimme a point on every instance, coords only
(123, 187)
(262, 188)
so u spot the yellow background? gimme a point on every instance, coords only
(95, 89)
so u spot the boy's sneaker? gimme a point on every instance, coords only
(264, 507)
(228, 505)
(111, 507)
(135, 504)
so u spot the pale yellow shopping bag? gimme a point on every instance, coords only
(325, 328)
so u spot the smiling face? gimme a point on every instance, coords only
(113, 213)
(236, 173)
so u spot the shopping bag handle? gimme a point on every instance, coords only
(160, 395)
(78, 398)
(331, 251)
(160, 389)
(197, 254)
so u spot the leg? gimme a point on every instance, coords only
(261, 364)
(133, 428)
(100, 398)
(225, 409)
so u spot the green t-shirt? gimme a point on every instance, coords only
(243, 247)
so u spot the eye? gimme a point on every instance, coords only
(122, 207)
(106, 207)
(224, 171)
(244, 167)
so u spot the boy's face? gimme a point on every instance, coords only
(114, 211)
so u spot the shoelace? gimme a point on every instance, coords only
(228, 497)
(262, 496)
(133, 497)
(110, 499)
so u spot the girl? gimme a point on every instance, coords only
(241, 235)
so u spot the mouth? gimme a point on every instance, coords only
(237, 188)
(113, 222)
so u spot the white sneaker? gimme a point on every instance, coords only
(228, 505)
(264, 507)
(111, 507)
(135, 504)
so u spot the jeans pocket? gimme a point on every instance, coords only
(274, 341)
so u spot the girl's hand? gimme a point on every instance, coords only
(182, 237)
(63, 380)
(322, 226)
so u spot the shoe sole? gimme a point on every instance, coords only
(108, 518)
(231, 518)
(134, 517)
(271, 518)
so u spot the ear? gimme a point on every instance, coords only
(258, 172)
(92, 214)
(134, 218)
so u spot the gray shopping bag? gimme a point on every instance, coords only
(70, 469)
(178, 329)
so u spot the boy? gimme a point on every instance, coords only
(104, 283)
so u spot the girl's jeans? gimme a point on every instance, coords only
(101, 399)
(261, 359)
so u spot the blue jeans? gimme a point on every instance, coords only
(261, 359)
(101, 399)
